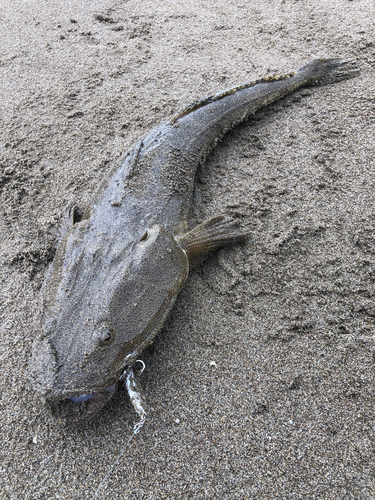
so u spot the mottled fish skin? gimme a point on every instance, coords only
(117, 272)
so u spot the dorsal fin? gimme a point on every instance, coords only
(72, 215)
(220, 95)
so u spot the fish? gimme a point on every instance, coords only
(121, 263)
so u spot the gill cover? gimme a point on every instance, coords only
(146, 292)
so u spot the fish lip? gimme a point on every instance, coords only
(56, 394)
(94, 396)
(70, 414)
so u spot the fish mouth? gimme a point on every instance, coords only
(95, 396)
(79, 409)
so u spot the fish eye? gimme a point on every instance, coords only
(144, 237)
(106, 335)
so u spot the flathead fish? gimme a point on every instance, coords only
(117, 271)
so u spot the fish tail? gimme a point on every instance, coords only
(326, 71)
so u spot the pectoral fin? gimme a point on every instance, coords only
(210, 235)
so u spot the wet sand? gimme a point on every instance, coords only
(261, 384)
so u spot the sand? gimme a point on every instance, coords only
(261, 384)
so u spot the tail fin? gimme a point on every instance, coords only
(325, 71)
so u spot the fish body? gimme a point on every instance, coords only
(117, 272)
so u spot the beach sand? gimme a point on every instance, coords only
(261, 384)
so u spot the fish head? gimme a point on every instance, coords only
(103, 308)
